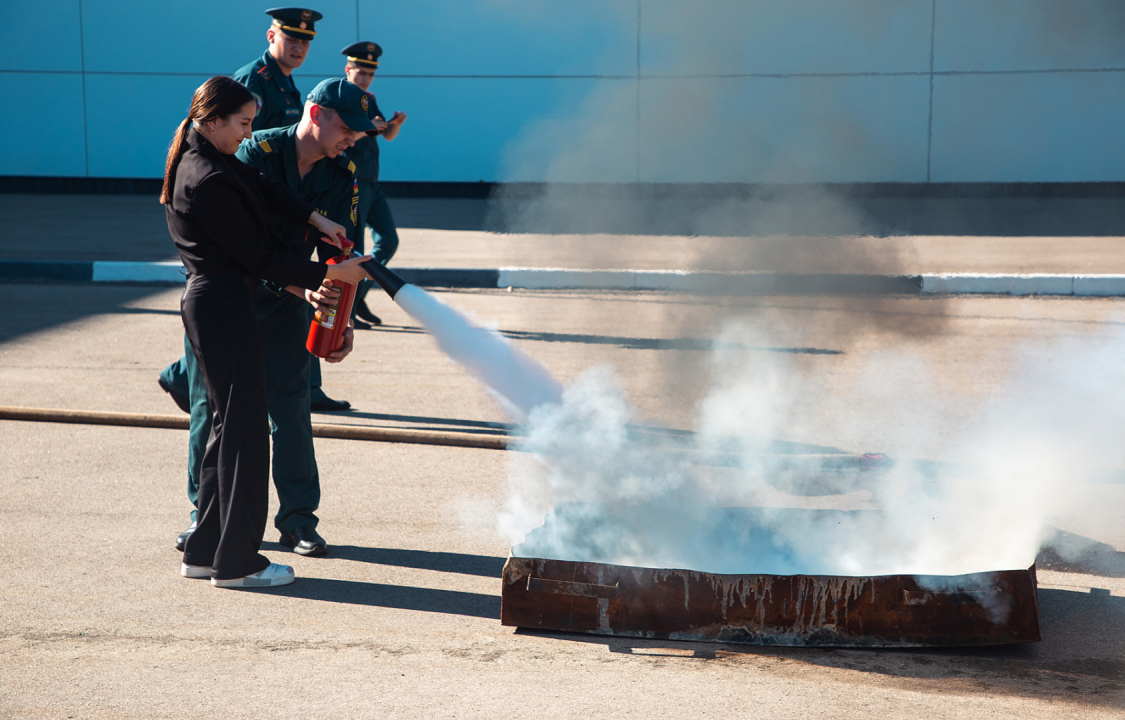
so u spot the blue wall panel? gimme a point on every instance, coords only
(128, 143)
(467, 129)
(28, 25)
(845, 129)
(210, 36)
(1057, 127)
(53, 145)
(796, 36)
(503, 37)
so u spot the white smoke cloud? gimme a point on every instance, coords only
(610, 494)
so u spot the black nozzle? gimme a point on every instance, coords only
(387, 280)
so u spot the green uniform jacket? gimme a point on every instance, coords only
(278, 94)
(330, 187)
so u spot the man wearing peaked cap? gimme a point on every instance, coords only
(270, 76)
(363, 60)
(308, 157)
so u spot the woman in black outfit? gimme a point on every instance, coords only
(218, 214)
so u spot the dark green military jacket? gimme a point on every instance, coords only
(278, 95)
(330, 187)
(365, 153)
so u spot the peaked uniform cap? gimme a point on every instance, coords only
(363, 53)
(347, 99)
(297, 23)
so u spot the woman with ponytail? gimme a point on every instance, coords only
(218, 212)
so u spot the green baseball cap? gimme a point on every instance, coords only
(346, 99)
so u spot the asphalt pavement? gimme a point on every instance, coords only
(402, 618)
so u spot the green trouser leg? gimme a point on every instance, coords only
(175, 375)
(373, 210)
(284, 326)
(200, 427)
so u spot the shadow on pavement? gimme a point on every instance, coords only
(1081, 657)
(481, 565)
(60, 304)
(1070, 553)
(452, 602)
(631, 343)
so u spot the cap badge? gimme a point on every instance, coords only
(305, 15)
(304, 25)
(363, 102)
(370, 47)
(370, 56)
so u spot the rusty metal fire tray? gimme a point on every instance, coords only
(986, 608)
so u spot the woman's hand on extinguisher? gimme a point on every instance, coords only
(349, 271)
(335, 232)
(324, 297)
(346, 348)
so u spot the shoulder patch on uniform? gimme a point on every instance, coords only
(351, 167)
(265, 145)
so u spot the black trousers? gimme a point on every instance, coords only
(218, 316)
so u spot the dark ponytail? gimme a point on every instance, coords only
(216, 99)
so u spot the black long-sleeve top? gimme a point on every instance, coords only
(219, 219)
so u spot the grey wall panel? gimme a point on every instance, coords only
(972, 35)
(796, 36)
(846, 129)
(1029, 128)
(124, 143)
(53, 145)
(43, 35)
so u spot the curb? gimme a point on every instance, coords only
(719, 283)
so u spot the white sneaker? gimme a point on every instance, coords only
(195, 571)
(272, 576)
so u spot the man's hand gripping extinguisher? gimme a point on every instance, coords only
(326, 333)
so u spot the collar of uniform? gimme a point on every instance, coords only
(276, 75)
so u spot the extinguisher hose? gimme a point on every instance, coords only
(387, 280)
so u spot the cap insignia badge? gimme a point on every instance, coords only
(363, 102)
(306, 14)
(370, 47)
(304, 25)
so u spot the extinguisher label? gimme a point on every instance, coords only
(330, 321)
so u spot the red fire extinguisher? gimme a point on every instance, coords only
(326, 333)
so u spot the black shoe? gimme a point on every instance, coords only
(361, 325)
(181, 539)
(181, 401)
(305, 541)
(322, 403)
(362, 312)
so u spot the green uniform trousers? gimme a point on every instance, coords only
(284, 326)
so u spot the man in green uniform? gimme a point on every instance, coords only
(308, 157)
(373, 211)
(270, 76)
(270, 80)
